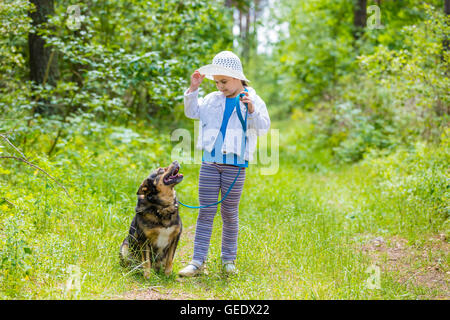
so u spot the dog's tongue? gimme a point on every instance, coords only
(175, 173)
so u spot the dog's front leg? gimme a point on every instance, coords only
(146, 260)
(169, 258)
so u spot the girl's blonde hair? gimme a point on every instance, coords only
(244, 83)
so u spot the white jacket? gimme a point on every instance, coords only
(210, 111)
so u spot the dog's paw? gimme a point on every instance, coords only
(168, 272)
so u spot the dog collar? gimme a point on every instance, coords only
(142, 196)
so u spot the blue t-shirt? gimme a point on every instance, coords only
(216, 154)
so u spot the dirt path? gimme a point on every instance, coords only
(156, 293)
(421, 265)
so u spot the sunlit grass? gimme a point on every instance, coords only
(297, 234)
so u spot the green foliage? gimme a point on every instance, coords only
(317, 49)
(415, 77)
(415, 182)
(380, 101)
(139, 50)
(117, 61)
(396, 97)
(15, 262)
(403, 191)
(14, 27)
(383, 90)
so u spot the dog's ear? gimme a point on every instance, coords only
(148, 186)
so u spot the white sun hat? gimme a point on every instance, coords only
(225, 63)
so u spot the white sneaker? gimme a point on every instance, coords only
(192, 269)
(229, 267)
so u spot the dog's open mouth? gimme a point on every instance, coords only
(173, 176)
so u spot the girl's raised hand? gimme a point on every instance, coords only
(246, 99)
(196, 80)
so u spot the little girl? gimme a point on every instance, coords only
(225, 151)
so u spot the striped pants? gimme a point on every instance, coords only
(215, 177)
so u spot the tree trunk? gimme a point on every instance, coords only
(247, 22)
(43, 60)
(228, 3)
(246, 38)
(257, 10)
(359, 18)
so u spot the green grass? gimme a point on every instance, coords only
(298, 234)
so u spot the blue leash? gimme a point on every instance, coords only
(244, 127)
(213, 204)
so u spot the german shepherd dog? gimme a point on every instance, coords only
(156, 227)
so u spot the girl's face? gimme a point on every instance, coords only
(229, 86)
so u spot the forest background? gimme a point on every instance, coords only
(90, 92)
